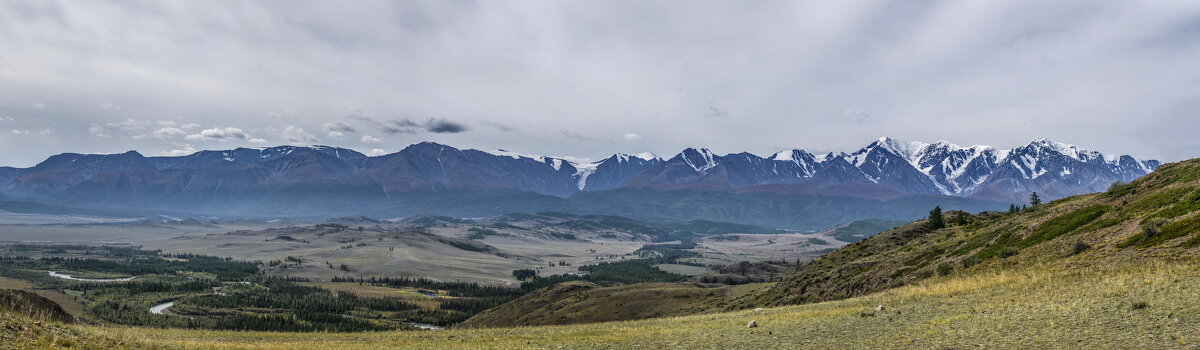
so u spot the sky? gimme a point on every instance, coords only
(589, 78)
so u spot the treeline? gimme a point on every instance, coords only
(472, 306)
(608, 273)
(116, 290)
(224, 269)
(668, 254)
(104, 251)
(297, 298)
(302, 321)
(455, 289)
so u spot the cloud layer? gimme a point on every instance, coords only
(586, 78)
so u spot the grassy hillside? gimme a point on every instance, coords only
(1152, 218)
(861, 229)
(1082, 305)
(584, 302)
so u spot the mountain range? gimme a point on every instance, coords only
(431, 178)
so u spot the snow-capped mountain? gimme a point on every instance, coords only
(612, 171)
(1056, 169)
(282, 178)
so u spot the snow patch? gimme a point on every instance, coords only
(583, 171)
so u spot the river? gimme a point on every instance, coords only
(158, 309)
(426, 326)
(68, 277)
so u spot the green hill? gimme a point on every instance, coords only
(585, 302)
(1152, 218)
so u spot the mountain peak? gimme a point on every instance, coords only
(904, 149)
(625, 157)
(700, 160)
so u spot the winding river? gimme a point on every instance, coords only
(161, 309)
(158, 309)
(68, 277)
(426, 326)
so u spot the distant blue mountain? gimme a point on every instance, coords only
(432, 178)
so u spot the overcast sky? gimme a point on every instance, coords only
(589, 78)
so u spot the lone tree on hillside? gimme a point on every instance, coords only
(936, 220)
(961, 218)
(1034, 200)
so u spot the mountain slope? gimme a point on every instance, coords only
(585, 302)
(1106, 227)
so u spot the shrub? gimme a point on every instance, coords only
(969, 261)
(1009, 251)
(1156, 231)
(1138, 305)
(944, 268)
(1079, 247)
(1150, 228)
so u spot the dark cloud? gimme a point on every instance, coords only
(339, 127)
(408, 126)
(442, 126)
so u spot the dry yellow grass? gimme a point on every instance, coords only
(1037, 308)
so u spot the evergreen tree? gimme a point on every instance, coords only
(936, 221)
(960, 219)
(1034, 200)
(1012, 208)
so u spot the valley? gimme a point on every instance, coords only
(1111, 269)
(358, 273)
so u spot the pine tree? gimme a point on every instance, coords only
(1034, 200)
(960, 219)
(936, 221)
(1012, 208)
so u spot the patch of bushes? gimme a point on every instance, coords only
(945, 268)
(1173, 230)
(970, 261)
(1188, 204)
(1120, 189)
(925, 258)
(1006, 244)
(982, 239)
(1155, 232)
(1192, 242)
(566, 236)
(1078, 247)
(1064, 224)
(1154, 202)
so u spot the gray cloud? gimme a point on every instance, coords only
(339, 127)
(512, 75)
(442, 126)
(408, 126)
